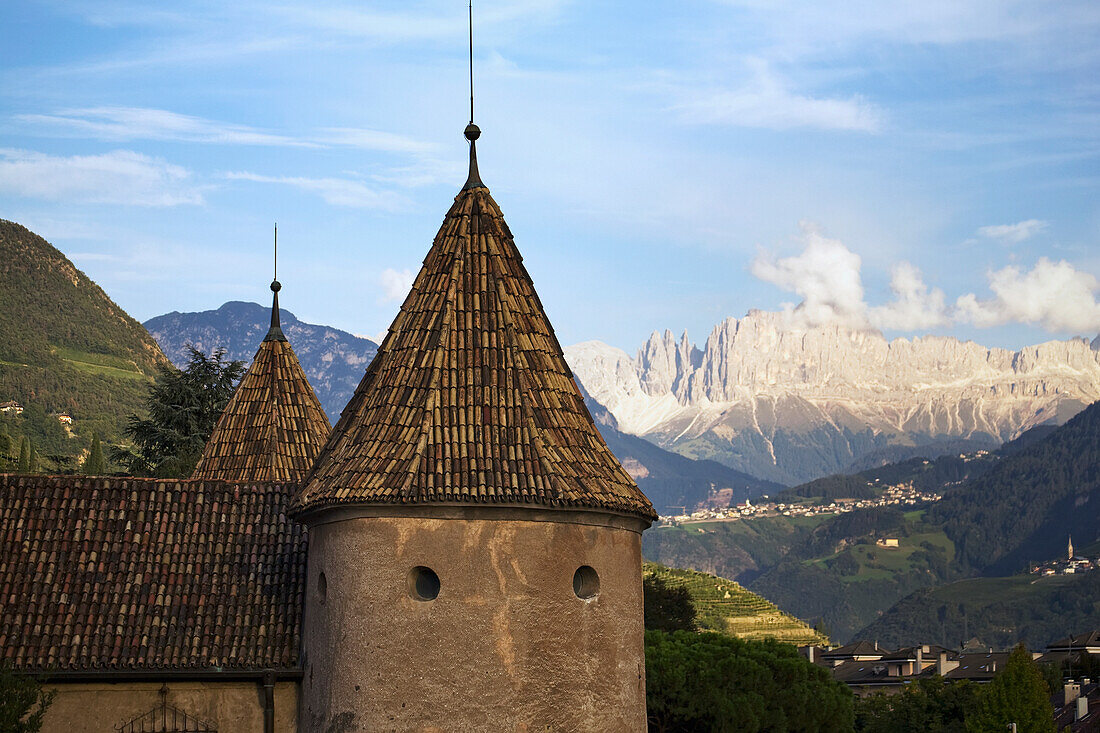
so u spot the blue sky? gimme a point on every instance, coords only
(926, 167)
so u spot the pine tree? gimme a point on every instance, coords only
(1019, 695)
(5, 446)
(24, 456)
(95, 464)
(32, 462)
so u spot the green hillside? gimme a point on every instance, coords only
(65, 347)
(725, 606)
(1000, 612)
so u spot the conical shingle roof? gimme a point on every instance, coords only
(469, 399)
(273, 427)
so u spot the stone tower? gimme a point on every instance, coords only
(273, 427)
(474, 547)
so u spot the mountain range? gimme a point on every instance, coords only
(334, 360)
(789, 405)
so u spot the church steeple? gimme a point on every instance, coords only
(1069, 549)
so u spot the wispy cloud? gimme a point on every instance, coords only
(1013, 233)
(117, 177)
(767, 101)
(140, 123)
(335, 191)
(143, 123)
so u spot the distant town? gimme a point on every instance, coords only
(896, 495)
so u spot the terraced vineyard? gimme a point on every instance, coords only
(725, 606)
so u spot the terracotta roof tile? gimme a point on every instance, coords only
(273, 427)
(101, 573)
(469, 398)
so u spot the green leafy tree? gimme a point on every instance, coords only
(711, 682)
(183, 407)
(95, 464)
(929, 705)
(24, 456)
(667, 608)
(5, 444)
(23, 702)
(1018, 694)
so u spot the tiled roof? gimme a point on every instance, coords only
(133, 574)
(857, 648)
(273, 427)
(979, 666)
(1089, 638)
(469, 398)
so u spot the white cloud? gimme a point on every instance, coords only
(118, 177)
(395, 285)
(1013, 233)
(1053, 295)
(915, 307)
(767, 102)
(335, 191)
(826, 275)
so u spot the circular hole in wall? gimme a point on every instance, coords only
(322, 587)
(423, 583)
(586, 582)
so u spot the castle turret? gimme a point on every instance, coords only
(273, 427)
(474, 547)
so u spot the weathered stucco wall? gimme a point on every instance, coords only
(506, 646)
(233, 707)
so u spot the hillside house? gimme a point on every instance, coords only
(65, 419)
(11, 408)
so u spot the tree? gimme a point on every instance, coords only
(667, 608)
(24, 456)
(5, 444)
(711, 682)
(32, 459)
(1018, 694)
(95, 464)
(183, 407)
(929, 705)
(23, 702)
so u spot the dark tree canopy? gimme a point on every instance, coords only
(710, 682)
(95, 464)
(667, 608)
(23, 702)
(183, 407)
(929, 705)
(1018, 694)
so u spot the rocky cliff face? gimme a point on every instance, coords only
(334, 360)
(791, 405)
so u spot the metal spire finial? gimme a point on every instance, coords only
(275, 333)
(472, 132)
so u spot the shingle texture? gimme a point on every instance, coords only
(469, 398)
(148, 574)
(273, 427)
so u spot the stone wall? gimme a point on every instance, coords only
(229, 707)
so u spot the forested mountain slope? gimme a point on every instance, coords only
(65, 347)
